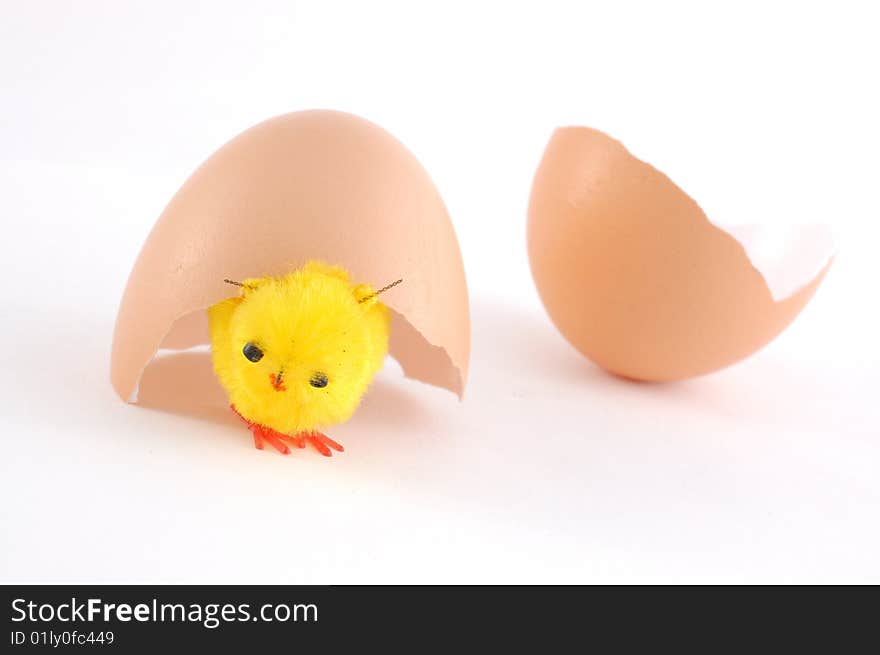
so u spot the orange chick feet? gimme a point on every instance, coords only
(321, 442)
(281, 442)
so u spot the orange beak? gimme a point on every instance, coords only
(277, 382)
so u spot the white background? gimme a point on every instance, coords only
(549, 470)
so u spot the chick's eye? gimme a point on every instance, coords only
(318, 380)
(253, 353)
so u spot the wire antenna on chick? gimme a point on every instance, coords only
(362, 300)
(382, 290)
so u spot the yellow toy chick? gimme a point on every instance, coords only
(296, 353)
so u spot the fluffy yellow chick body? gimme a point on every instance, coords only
(296, 353)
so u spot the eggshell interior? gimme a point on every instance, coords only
(307, 185)
(787, 256)
(634, 274)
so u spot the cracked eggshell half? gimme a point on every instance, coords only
(638, 279)
(306, 185)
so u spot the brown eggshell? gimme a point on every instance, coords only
(308, 185)
(634, 274)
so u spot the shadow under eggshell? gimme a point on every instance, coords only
(634, 274)
(308, 185)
